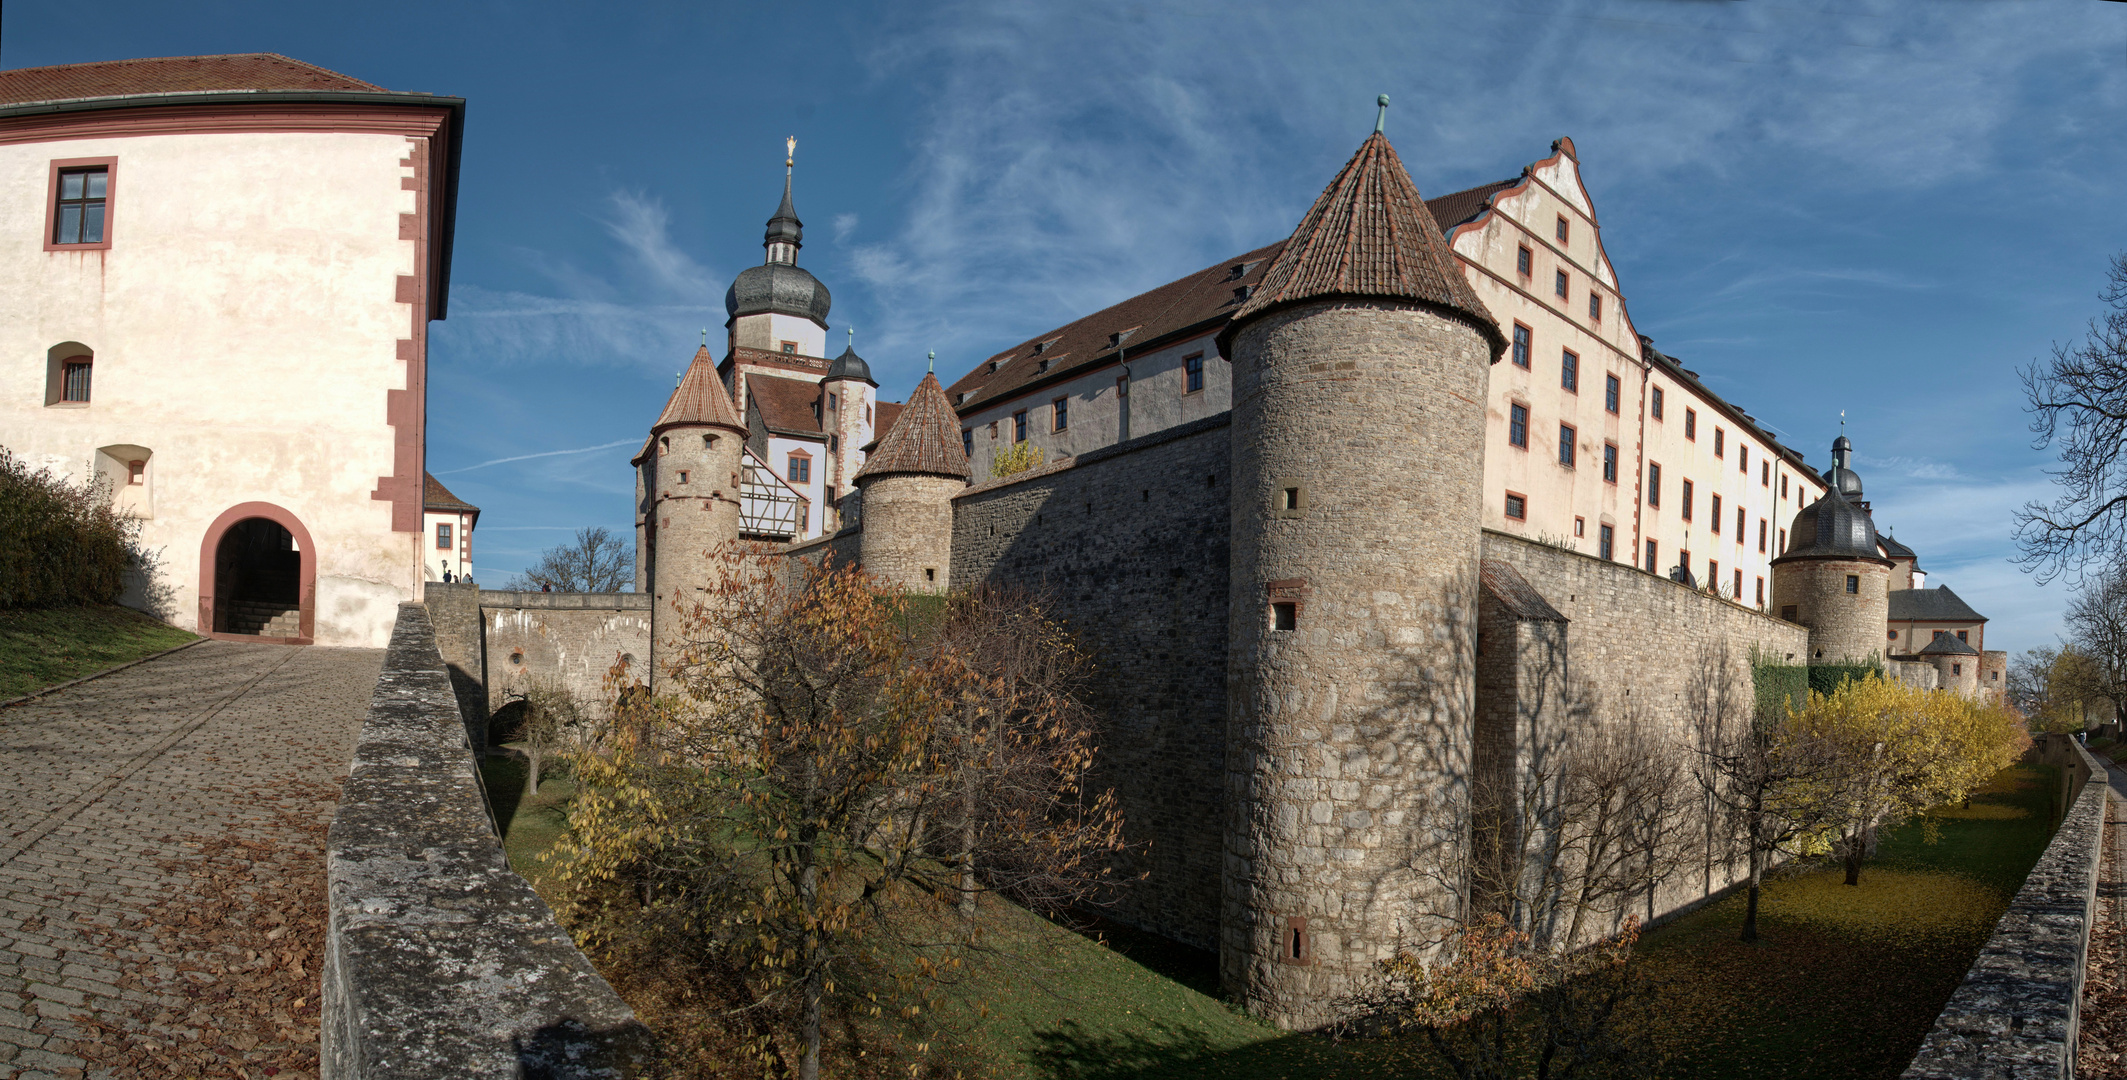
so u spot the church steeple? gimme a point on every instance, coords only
(786, 234)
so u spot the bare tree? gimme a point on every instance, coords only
(2097, 620)
(592, 562)
(2078, 399)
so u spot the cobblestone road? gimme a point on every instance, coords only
(135, 799)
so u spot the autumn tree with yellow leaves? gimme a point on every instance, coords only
(797, 833)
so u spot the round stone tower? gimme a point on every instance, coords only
(1359, 366)
(908, 486)
(1956, 664)
(1834, 577)
(695, 449)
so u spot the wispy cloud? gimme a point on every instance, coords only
(541, 454)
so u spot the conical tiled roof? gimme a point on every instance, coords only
(1369, 235)
(700, 399)
(925, 438)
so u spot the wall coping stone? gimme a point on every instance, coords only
(440, 960)
(612, 601)
(2018, 1012)
(1747, 609)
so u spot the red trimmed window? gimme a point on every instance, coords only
(1524, 262)
(78, 214)
(1518, 426)
(443, 536)
(1521, 345)
(800, 470)
(1563, 230)
(1517, 506)
(1716, 511)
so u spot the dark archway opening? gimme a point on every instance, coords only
(258, 581)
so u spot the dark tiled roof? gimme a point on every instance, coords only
(1516, 594)
(434, 496)
(1897, 550)
(1457, 207)
(700, 399)
(1690, 378)
(1831, 528)
(1368, 235)
(785, 405)
(1938, 604)
(170, 75)
(1948, 645)
(925, 438)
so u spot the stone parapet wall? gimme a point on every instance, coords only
(571, 639)
(2018, 1012)
(440, 960)
(1130, 544)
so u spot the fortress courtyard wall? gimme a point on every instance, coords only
(1130, 544)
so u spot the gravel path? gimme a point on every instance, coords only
(162, 863)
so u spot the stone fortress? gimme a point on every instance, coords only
(1291, 504)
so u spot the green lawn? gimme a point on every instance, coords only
(42, 647)
(529, 825)
(1844, 982)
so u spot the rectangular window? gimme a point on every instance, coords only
(1566, 435)
(1517, 507)
(1761, 592)
(1853, 583)
(1595, 307)
(1741, 521)
(1561, 284)
(800, 470)
(1783, 485)
(1561, 228)
(1738, 594)
(1961, 637)
(1654, 403)
(1716, 512)
(1580, 526)
(1518, 425)
(1612, 391)
(1019, 426)
(1610, 462)
(1683, 561)
(1691, 424)
(1685, 495)
(76, 387)
(1761, 535)
(790, 348)
(1719, 444)
(967, 441)
(1652, 568)
(443, 536)
(1524, 262)
(834, 403)
(1521, 345)
(1285, 615)
(1060, 414)
(1569, 370)
(1783, 539)
(1654, 484)
(1957, 669)
(1192, 373)
(1765, 474)
(1605, 537)
(993, 429)
(1713, 573)
(1743, 460)
(80, 207)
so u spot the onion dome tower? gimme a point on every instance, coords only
(1833, 577)
(848, 395)
(908, 485)
(1353, 595)
(695, 447)
(777, 287)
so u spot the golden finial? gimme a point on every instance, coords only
(790, 150)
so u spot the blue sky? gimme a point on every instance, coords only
(1884, 208)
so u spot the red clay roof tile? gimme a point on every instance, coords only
(700, 399)
(924, 438)
(170, 75)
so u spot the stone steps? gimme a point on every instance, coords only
(262, 619)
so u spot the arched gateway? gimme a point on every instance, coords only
(258, 576)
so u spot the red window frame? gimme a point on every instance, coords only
(110, 201)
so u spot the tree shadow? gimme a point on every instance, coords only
(1071, 1052)
(1197, 969)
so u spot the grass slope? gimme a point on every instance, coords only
(1844, 981)
(42, 647)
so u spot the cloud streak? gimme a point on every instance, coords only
(541, 454)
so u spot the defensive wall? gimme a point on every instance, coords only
(496, 642)
(441, 960)
(2018, 1012)
(1130, 544)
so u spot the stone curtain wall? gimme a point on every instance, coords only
(454, 611)
(2017, 1013)
(1641, 643)
(569, 637)
(1131, 542)
(440, 960)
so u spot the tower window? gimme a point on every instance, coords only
(1518, 426)
(1517, 507)
(1612, 391)
(1569, 370)
(683, 476)
(1561, 283)
(1284, 615)
(1521, 343)
(930, 573)
(1605, 536)
(1853, 584)
(1192, 373)
(1524, 262)
(1289, 499)
(1566, 436)
(1957, 669)
(1654, 405)
(790, 347)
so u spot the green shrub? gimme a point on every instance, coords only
(64, 543)
(1825, 678)
(1779, 685)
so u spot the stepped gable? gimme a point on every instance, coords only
(700, 399)
(924, 438)
(1369, 235)
(171, 75)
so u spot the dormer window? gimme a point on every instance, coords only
(1116, 339)
(1241, 293)
(993, 367)
(1239, 271)
(1043, 365)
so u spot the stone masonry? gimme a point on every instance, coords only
(1842, 625)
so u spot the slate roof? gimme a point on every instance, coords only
(700, 399)
(1897, 550)
(1938, 604)
(170, 75)
(1369, 234)
(924, 438)
(434, 496)
(1515, 593)
(1831, 528)
(1948, 645)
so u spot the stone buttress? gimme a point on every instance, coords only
(1359, 367)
